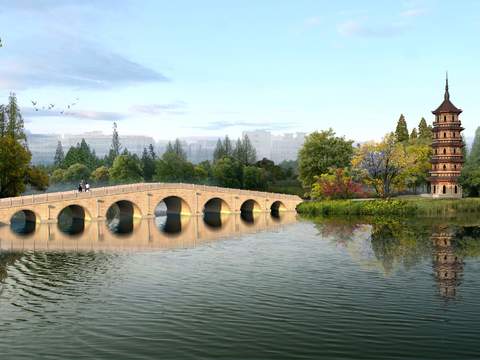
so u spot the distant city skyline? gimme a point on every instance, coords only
(274, 147)
(188, 68)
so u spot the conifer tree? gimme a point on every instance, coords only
(59, 155)
(227, 145)
(401, 132)
(219, 152)
(115, 148)
(424, 131)
(178, 149)
(413, 134)
(244, 152)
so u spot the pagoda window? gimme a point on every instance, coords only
(444, 167)
(435, 151)
(444, 151)
(434, 189)
(444, 190)
(455, 166)
(454, 150)
(454, 134)
(453, 117)
(444, 118)
(456, 189)
(444, 134)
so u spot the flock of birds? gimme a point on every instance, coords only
(50, 107)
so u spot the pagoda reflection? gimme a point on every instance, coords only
(447, 265)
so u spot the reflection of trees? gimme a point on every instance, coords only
(400, 242)
(340, 230)
(467, 242)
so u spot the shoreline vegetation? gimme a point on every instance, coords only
(391, 207)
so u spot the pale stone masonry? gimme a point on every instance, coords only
(184, 199)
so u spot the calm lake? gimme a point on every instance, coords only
(233, 287)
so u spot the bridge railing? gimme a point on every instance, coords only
(130, 188)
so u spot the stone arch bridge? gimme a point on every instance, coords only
(141, 200)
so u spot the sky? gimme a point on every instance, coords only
(182, 68)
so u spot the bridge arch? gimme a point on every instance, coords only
(250, 206)
(71, 219)
(172, 205)
(216, 205)
(24, 221)
(278, 206)
(122, 215)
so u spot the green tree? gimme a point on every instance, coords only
(244, 151)
(148, 163)
(81, 154)
(470, 176)
(254, 178)
(15, 125)
(424, 131)
(228, 172)
(401, 132)
(100, 174)
(172, 167)
(14, 161)
(59, 155)
(76, 172)
(115, 147)
(126, 168)
(321, 151)
(200, 173)
(3, 121)
(219, 152)
(37, 178)
(58, 176)
(413, 134)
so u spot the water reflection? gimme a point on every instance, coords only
(390, 244)
(162, 232)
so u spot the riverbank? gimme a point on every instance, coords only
(397, 207)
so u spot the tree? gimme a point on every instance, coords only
(59, 155)
(470, 176)
(115, 148)
(401, 132)
(336, 184)
(125, 168)
(424, 131)
(58, 176)
(3, 121)
(228, 172)
(178, 149)
(413, 134)
(100, 174)
(254, 178)
(81, 154)
(417, 159)
(14, 161)
(37, 178)
(244, 151)
(381, 164)
(321, 151)
(200, 173)
(172, 167)
(76, 172)
(15, 125)
(148, 163)
(219, 152)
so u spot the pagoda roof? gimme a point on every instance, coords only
(446, 106)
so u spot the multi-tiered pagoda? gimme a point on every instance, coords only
(447, 146)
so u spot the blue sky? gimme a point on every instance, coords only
(188, 68)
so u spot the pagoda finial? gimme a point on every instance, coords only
(447, 94)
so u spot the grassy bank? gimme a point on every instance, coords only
(403, 207)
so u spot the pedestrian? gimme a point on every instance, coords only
(82, 184)
(87, 187)
(80, 187)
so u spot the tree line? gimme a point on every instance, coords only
(233, 165)
(333, 167)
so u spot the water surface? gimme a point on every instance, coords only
(231, 288)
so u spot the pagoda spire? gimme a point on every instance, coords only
(447, 94)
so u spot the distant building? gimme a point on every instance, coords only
(43, 146)
(447, 159)
(276, 147)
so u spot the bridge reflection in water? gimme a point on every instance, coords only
(162, 232)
